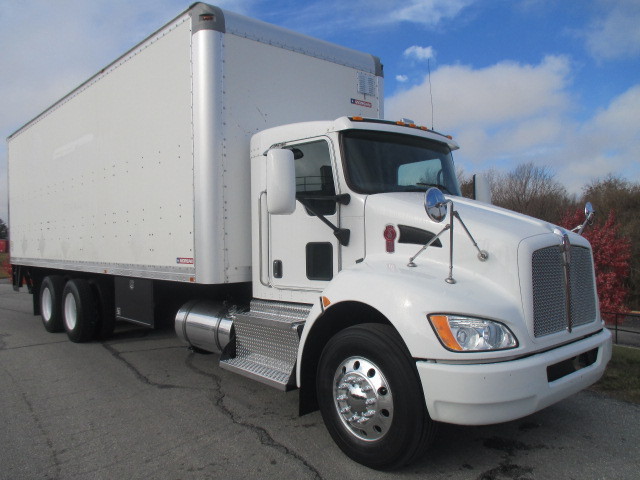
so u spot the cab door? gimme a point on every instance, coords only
(303, 251)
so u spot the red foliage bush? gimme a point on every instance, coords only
(6, 266)
(611, 257)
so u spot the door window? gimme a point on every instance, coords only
(314, 176)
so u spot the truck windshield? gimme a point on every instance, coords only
(379, 162)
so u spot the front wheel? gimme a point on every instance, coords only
(371, 399)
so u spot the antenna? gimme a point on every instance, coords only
(430, 90)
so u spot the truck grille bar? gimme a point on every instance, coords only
(556, 305)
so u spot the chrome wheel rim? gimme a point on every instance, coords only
(70, 311)
(46, 305)
(363, 399)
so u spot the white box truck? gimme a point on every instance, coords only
(239, 179)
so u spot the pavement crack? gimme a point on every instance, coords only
(137, 373)
(262, 434)
(39, 425)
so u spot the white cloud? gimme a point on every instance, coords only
(510, 113)
(617, 33)
(489, 97)
(426, 12)
(401, 78)
(419, 53)
(320, 17)
(608, 142)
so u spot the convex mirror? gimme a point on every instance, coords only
(435, 204)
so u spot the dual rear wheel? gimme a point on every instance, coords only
(81, 308)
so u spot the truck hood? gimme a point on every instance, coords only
(482, 219)
(509, 238)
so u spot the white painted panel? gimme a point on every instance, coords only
(106, 176)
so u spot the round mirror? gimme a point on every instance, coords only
(588, 209)
(435, 204)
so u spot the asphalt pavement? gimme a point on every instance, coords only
(142, 406)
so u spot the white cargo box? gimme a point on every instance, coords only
(143, 170)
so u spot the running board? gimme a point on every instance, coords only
(267, 339)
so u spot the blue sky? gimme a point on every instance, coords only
(554, 82)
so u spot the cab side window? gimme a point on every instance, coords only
(314, 176)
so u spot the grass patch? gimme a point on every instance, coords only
(621, 380)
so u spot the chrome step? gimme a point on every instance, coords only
(267, 339)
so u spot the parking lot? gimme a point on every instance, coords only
(141, 405)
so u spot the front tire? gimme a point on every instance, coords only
(371, 399)
(79, 313)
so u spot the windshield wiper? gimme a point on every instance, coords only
(438, 185)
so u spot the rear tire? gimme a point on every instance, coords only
(51, 303)
(371, 398)
(79, 313)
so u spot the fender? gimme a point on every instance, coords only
(405, 296)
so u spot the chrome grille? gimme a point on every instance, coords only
(583, 292)
(549, 301)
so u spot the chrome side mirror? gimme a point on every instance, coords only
(437, 208)
(589, 213)
(435, 205)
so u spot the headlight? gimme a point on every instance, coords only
(467, 334)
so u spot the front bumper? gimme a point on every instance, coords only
(482, 394)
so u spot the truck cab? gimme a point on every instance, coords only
(495, 319)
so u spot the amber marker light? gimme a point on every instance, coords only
(325, 302)
(441, 325)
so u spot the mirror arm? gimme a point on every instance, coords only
(342, 234)
(433, 239)
(587, 221)
(482, 254)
